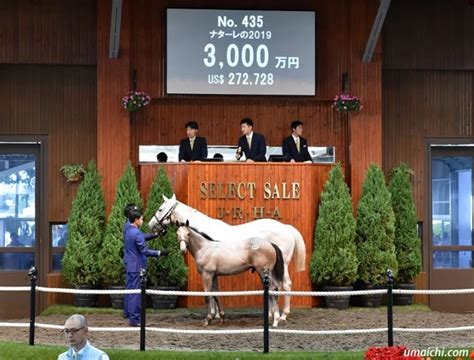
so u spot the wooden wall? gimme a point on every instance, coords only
(57, 101)
(421, 105)
(428, 87)
(48, 32)
(219, 122)
(342, 31)
(429, 34)
(48, 93)
(48, 83)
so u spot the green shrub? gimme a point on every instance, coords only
(334, 260)
(375, 230)
(170, 270)
(407, 242)
(86, 229)
(111, 257)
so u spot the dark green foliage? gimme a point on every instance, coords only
(407, 242)
(334, 260)
(86, 225)
(111, 257)
(170, 270)
(375, 229)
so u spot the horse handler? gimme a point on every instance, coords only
(135, 259)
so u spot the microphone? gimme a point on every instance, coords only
(238, 154)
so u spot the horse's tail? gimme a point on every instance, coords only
(300, 250)
(278, 269)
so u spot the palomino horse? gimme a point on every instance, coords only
(288, 239)
(214, 258)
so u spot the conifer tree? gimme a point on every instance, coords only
(407, 242)
(170, 270)
(334, 260)
(375, 229)
(86, 225)
(111, 257)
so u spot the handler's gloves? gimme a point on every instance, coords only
(163, 252)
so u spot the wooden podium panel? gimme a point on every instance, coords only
(242, 192)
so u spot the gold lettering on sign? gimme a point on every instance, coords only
(248, 190)
(276, 193)
(267, 192)
(258, 212)
(220, 212)
(237, 213)
(282, 191)
(231, 191)
(252, 186)
(276, 213)
(221, 191)
(241, 190)
(202, 190)
(212, 191)
(295, 190)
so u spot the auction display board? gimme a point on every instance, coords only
(240, 52)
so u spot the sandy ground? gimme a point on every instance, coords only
(307, 319)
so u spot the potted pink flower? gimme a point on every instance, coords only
(135, 100)
(346, 103)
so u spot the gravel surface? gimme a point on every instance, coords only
(303, 319)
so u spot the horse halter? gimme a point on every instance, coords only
(183, 239)
(159, 227)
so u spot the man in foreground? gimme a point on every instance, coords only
(77, 332)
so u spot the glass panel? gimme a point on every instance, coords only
(59, 235)
(57, 258)
(148, 153)
(453, 259)
(452, 201)
(17, 200)
(16, 261)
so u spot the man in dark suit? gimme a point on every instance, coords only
(193, 148)
(295, 147)
(251, 143)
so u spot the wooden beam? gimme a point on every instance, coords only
(375, 32)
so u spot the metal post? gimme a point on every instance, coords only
(143, 280)
(390, 306)
(33, 274)
(265, 314)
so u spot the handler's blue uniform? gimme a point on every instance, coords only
(135, 254)
(148, 237)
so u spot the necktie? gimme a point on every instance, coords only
(297, 140)
(191, 142)
(249, 141)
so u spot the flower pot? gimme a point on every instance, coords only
(372, 300)
(403, 299)
(337, 302)
(117, 300)
(164, 301)
(85, 300)
(74, 178)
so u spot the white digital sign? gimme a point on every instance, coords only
(240, 52)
